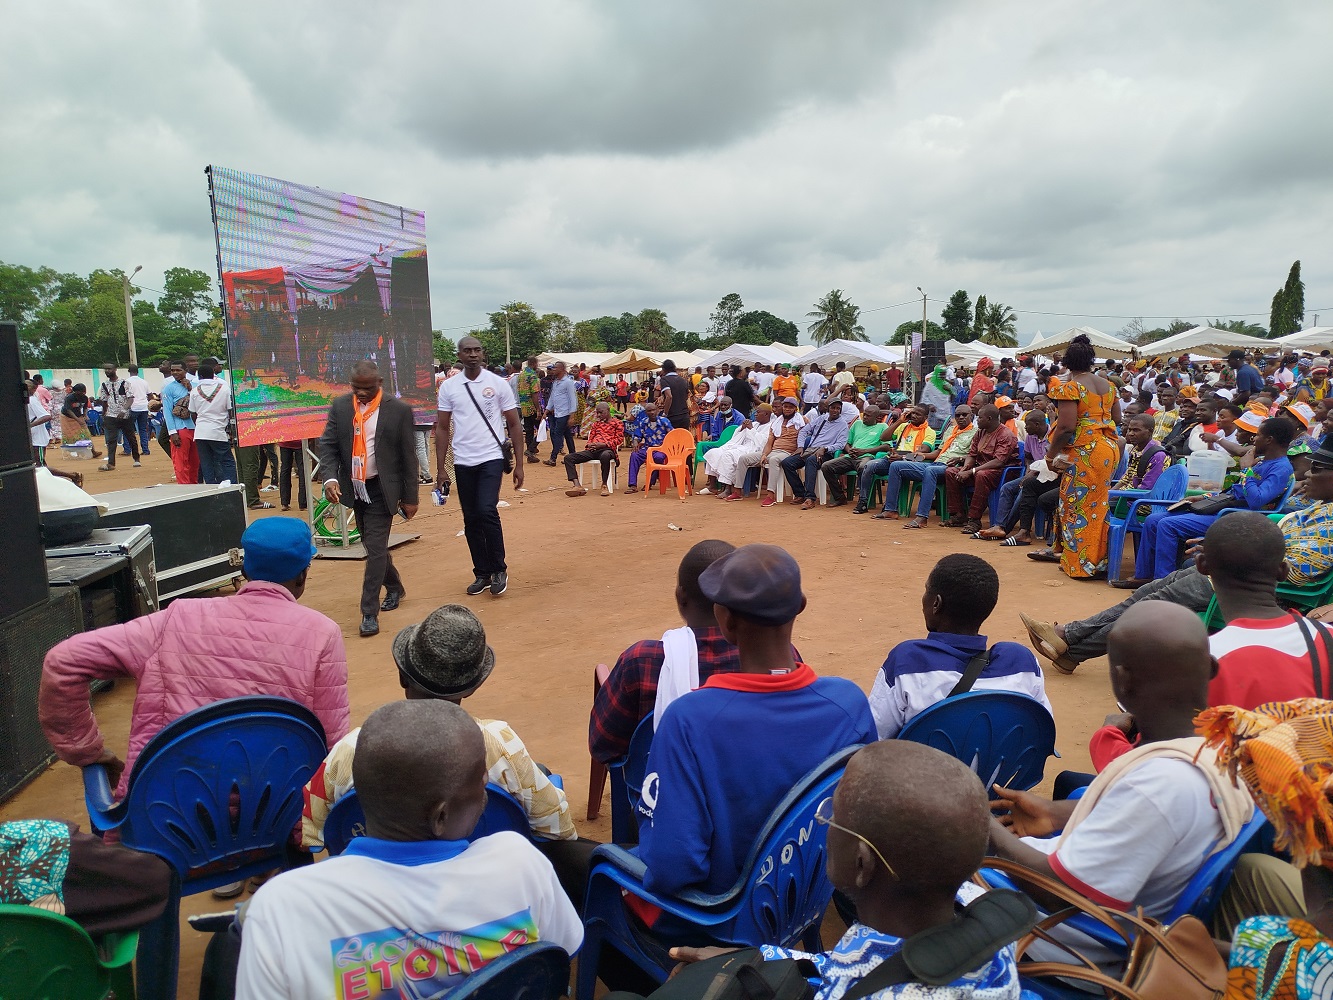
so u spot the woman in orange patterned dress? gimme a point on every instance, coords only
(1083, 442)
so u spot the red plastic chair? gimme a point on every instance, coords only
(678, 449)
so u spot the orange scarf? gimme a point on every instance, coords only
(359, 456)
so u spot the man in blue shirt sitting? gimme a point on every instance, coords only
(726, 754)
(819, 441)
(649, 429)
(1263, 486)
(961, 592)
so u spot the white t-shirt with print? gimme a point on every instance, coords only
(473, 443)
(210, 402)
(400, 919)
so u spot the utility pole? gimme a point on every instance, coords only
(129, 313)
(508, 359)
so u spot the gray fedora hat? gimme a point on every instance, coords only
(446, 654)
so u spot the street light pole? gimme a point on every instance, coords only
(129, 314)
(508, 359)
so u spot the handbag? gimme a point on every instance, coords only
(1176, 962)
(506, 446)
(181, 408)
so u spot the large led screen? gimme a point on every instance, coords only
(314, 281)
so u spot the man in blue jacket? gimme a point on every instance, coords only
(726, 754)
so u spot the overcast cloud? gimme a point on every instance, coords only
(1154, 159)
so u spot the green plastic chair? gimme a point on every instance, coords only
(46, 956)
(706, 446)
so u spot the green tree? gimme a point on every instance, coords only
(978, 321)
(444, 350)
(1239, 326)
(156, 338)
(653, 332)
(560, 337)
(835, 318)
(187, 297)
(687, 340)
(774, 328)
(957, 316)
(1288, 310)
(612, 333)
(903, 335)
(725, 319)
(527, 333)
(1001, 327)
(587, 336)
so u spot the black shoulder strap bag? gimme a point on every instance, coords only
(975, 666)
(506, 446)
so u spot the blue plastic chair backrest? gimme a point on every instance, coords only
(1122, 467)
(347, 819)
(537, 971)
(44, 954)
(1003, 736)
(636, 761)
(1171, 484)
(784, 885)
(1200, 897)
(222, 785)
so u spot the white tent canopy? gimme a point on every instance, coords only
(853, 353)
(747, 354)
(1105, 345)
(573, 360)
(795, 350)
(1204, 340)
(973, 351)
(1317, 338)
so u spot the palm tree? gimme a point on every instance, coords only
(1001, 326)
(835, 318)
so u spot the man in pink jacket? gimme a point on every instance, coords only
(258, 642)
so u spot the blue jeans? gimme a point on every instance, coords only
(791, 466)
(140, 418)
(216, 462)
(1159, 546)
(866, 479)
(561, 436)
(928, 474)
(1009, 502)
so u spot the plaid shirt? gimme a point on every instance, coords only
(630, 692)
(607, 434)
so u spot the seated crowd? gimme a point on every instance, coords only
(739, 719)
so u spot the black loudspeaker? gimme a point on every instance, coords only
(23, 568)
(24, 642)
(15, 442)
(932, 354)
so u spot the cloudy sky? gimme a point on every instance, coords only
(1083, 162)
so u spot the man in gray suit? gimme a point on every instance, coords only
(367, 454)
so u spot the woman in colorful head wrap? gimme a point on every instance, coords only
(982, 381)
(1283, 752)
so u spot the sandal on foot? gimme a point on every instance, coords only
(1048, 643)
(1044, 555)
(916, 522)
(261, 505)
(1012, 542)
(885, 515)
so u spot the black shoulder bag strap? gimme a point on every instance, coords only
(975, 666)
(1319, 665)
(504, 454)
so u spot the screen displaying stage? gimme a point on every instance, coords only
(314, 281)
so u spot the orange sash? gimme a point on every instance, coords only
(359, 455)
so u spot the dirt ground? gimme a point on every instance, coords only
(589, 576)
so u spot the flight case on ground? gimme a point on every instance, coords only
(195, 531)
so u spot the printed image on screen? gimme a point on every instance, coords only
(314, 281)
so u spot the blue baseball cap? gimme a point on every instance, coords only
(277, 549)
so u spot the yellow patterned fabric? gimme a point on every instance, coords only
(1283, 751)
(508, 765)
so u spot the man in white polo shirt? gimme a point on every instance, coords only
(138, 407)
(210, 403)
(478, 410)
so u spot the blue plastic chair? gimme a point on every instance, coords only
(1198, 899)
(252, 755)
(45, 955)
(1169, 488)
(347, 819)
(537, 971)
(1003, 736)
(779, 898)
(627, 776)
(1007, 474)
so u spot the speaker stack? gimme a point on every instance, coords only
(32, 618)
(932, 354)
